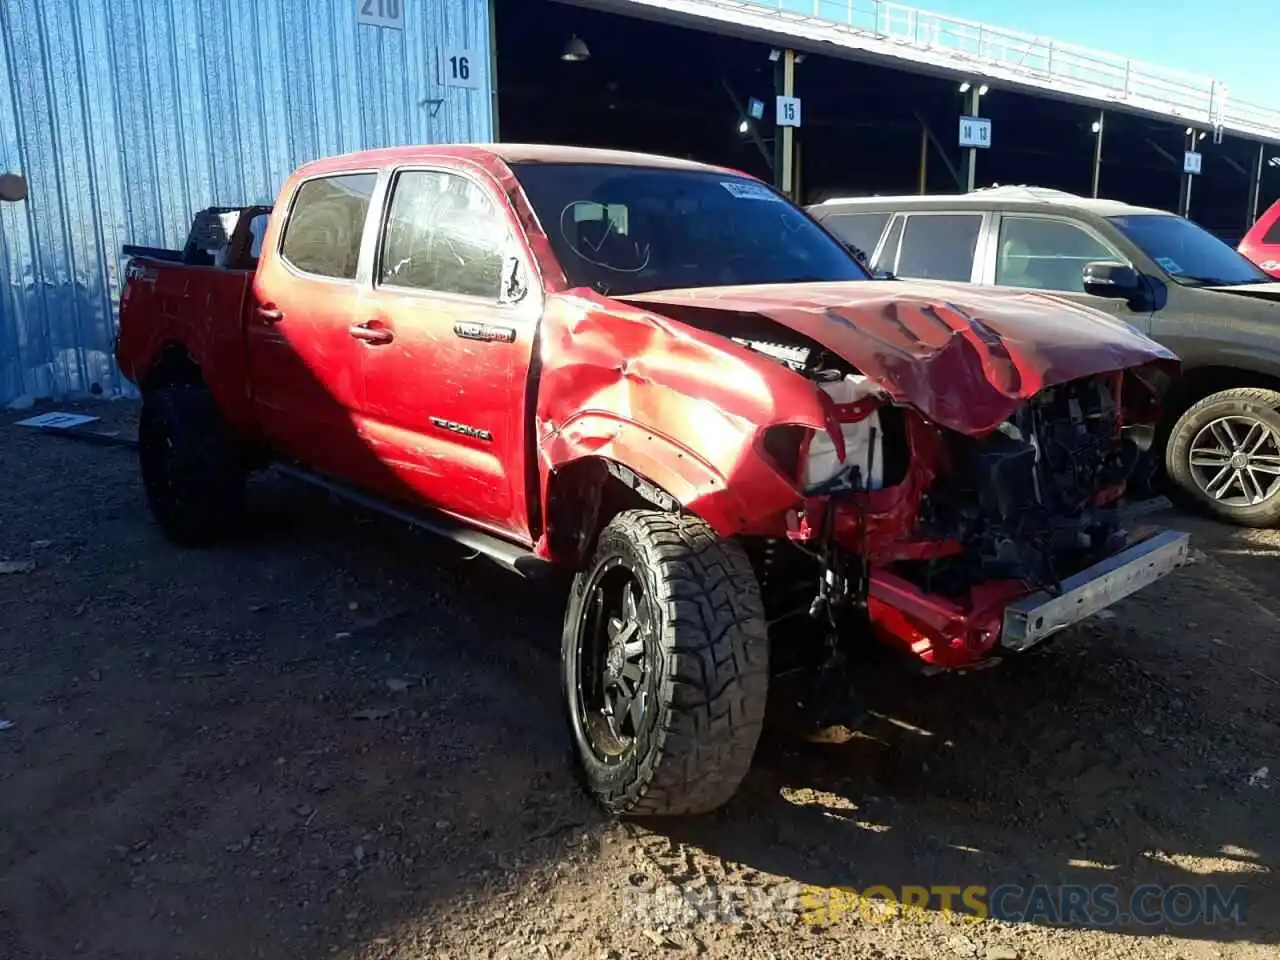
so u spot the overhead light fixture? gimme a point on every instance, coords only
(1201, 134)
(964, 87)
(775, 55)
(1097, 126)
(1274, 162)
(744, 127)
(575, 50)
(1190, 131)
(982, 90)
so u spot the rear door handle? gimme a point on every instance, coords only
(372, 335)
(269, 314)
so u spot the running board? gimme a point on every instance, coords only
(509, 555)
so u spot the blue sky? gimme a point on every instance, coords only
(1237, 41)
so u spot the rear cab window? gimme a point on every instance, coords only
(326, 224)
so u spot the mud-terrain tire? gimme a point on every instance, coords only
(192, 470)
(1200, 448)
(693, 646)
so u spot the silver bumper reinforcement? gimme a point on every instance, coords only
(1040, 615)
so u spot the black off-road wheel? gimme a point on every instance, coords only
(192, 470)
(1223, 457)
(665, 664)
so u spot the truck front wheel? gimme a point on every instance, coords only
(192, 471)
(665, 665)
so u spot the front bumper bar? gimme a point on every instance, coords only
(1033, 618)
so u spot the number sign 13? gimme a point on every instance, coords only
(381, 13)
(461, 67)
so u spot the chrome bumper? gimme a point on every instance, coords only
(1040, 615)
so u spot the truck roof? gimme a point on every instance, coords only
(506, 152)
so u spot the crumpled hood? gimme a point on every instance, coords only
(966, 357)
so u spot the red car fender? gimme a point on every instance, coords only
(681, 408)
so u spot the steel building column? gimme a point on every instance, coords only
(1099, 126)
(788, 133)
(970, 158)
(1184, 198)
(924, 159)
(1255, 186)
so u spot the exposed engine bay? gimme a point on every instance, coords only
(1033, 501)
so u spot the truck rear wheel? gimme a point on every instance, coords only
(1224, 456)
(665, 665)
(192, 471)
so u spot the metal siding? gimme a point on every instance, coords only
(127, 116)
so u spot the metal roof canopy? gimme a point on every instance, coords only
(904, 38)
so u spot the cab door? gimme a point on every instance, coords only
(1048, 254)
(304, 363)
(449, 331)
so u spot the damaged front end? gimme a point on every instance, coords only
(966, 499)
(952, 547)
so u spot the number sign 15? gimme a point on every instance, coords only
(461, 67)
(381, 13)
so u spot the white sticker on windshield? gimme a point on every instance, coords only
(1171, 266)
(746, 190)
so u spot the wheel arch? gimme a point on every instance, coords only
(583, 494)
(172, 365)
(1205, 380)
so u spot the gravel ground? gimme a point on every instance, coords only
(339, 738)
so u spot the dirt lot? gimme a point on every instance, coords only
(339, 738)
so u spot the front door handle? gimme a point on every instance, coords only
(367, 334)
(268, 313)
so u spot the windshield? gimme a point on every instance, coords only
(1188, 253)
(625, 230)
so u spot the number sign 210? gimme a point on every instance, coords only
(381, 13)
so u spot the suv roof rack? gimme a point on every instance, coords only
(1023, 191)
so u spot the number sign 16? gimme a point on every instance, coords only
(461, 67)
(381, 13)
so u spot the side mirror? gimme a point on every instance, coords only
(514, 286)
(1115, 280)
(13, 187)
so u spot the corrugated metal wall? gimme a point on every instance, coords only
(126, 116)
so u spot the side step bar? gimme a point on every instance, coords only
(509, 555)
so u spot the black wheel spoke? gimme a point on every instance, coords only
(612, 663)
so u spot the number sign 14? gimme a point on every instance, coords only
(461, 67)
(381, 13)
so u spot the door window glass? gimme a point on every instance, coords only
(861, 231)
(443, 234)
(939, 246)
(888, 258)
(1042, 254)
(326, 223)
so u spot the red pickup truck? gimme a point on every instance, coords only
(669, 381)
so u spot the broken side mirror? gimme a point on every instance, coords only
(514, 283)
(1104, 278)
